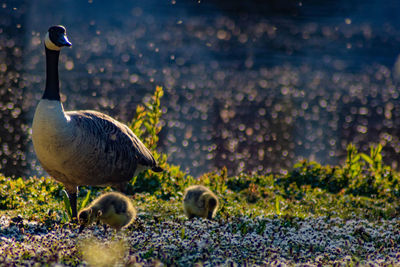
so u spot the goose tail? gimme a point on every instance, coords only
(157, 169)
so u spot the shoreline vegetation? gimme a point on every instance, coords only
(313, 214)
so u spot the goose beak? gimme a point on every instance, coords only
(63, 41)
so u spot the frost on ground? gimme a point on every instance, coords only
(258, 241)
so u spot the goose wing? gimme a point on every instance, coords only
(110, 136)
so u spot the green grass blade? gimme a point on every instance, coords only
(277, 205)
(85, 200)
(67, 205)
(183, 233)
(367, 158)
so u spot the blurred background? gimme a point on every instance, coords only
(251, 85)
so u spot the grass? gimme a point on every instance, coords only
(290, 199)
(362, 188)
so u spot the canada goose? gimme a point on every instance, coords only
(199, 201)
(82, 147)
(113, 209)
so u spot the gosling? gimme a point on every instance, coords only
(199, 201)
(113, 209)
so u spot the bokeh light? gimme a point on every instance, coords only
(248, 86)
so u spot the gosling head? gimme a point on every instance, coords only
(56, 38)
(87, 217)
(211, 202)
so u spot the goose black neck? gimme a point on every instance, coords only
(52, 91)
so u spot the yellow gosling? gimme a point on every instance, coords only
(113, 209)
(199, 201)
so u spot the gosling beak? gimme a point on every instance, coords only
(63, 41)
(81, 228)
(209, 215)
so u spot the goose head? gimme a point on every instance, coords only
(56, 38)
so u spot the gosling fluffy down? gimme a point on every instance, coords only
(113, 209)
(199, 201)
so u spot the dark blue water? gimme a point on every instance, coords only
(249, 85)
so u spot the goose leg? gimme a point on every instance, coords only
(72, 195)
(72, 202)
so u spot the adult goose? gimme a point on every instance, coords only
(82, 147)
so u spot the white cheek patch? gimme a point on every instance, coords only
(49, 44)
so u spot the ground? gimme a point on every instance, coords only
(311, 215)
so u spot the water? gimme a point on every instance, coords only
(249, 85)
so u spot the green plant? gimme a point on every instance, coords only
(67, 205)
(216, 181)
(146, 122)
(353, 166)
(361, 174)
(146, 125)
(18, 192)
(83, 204)
(367, 174)
(374, 160)
(278, 199)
